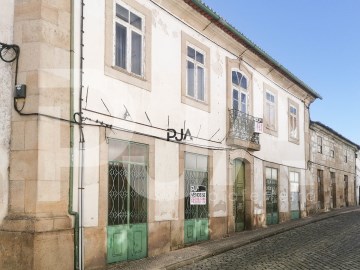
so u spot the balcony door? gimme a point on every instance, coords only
(239, 92)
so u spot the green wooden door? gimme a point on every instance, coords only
(196, 224)
(196, 230)
(117, 243)
(127, 203)
(272, 212)
(239, 195)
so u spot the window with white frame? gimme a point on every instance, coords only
(195, 73)
(293, 122)
(129, 39)
(239, 91)
(270, 110)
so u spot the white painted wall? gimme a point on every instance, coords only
(166, 180)
(259, 203)
(6, 90)
(302, 190)
(284, 189)
(278, 149)
(164, 101)
(218, 197)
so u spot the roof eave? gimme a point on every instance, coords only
(229, 29)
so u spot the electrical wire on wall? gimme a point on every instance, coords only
(10, 53)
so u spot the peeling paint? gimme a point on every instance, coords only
(218, 66)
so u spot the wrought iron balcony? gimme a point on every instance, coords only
(244, 130)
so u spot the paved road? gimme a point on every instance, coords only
(333, 243)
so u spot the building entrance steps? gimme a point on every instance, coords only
(195, 253)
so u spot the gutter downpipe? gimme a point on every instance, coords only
(81, 143)
(71, 171)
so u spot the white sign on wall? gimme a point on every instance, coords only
(258, 125)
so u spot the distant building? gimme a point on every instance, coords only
(332, 180)
(358, 178)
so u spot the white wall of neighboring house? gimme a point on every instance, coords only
(6, 86)
(163, 102)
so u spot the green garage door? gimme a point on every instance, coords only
(127, 201)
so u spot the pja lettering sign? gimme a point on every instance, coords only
(171, 134)
(197, 195)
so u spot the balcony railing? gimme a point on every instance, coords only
(244, 127)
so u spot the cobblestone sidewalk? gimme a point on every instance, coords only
(192, 254)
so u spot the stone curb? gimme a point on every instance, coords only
(307, 221)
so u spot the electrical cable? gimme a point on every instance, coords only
(10, 53)
(142, 124)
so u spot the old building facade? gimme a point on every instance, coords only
(147, 126)
(332, 166)
(160, 70)
(6, 83)
(36, 229)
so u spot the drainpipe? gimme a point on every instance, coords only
(71, 171)
(81, 143)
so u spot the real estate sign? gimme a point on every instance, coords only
(197, 195)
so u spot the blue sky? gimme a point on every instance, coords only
(318, 41)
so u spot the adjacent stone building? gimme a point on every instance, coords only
(358, 178)
(332, 168)
(36, 230)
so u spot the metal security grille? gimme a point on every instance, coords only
(242, 126)
(271, 196)
(127, 193)
(118, 195)
(195, 178)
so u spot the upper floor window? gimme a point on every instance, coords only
(332, 150)
(346, 157)
(129, 40)
(239, 91)
(195, 73)
(319, 144)
(293, 122)
(270, 110)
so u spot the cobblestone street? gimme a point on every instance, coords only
(332, 243)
